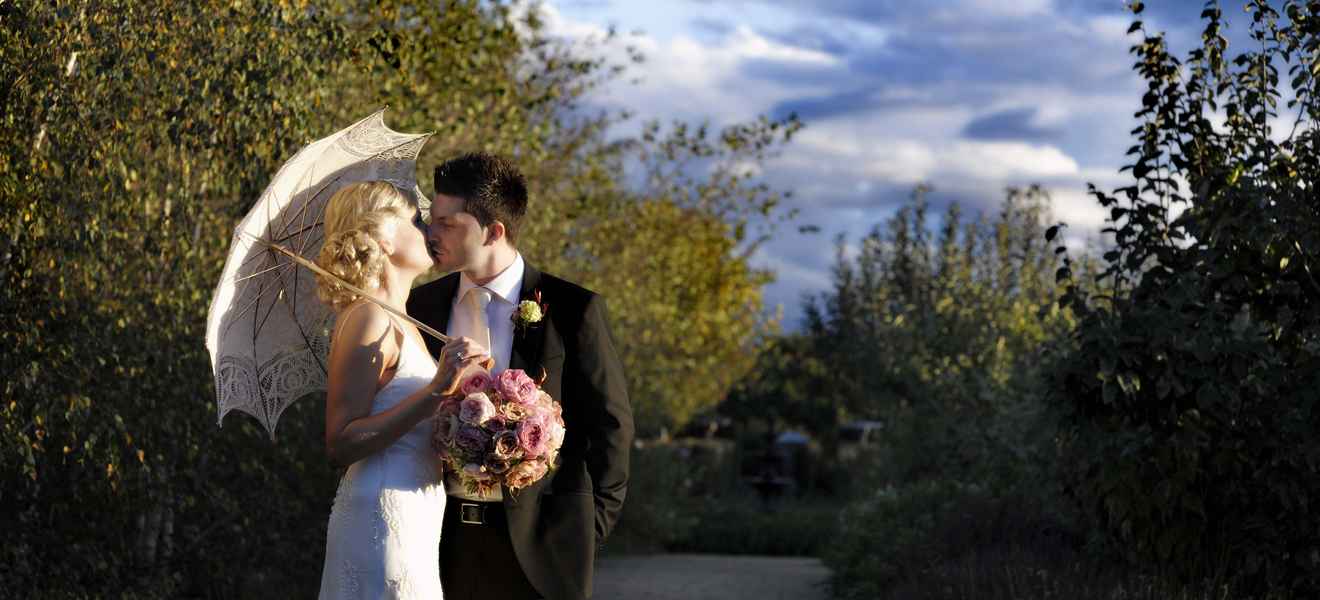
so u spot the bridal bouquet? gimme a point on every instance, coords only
(499, 430)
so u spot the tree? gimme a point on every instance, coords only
(134, 134)
(1189, 387)
(935, 332)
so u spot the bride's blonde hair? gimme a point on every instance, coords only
(354, 219)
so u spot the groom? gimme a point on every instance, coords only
(542, 542)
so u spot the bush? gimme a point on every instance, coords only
(660, 508)
(743, 524)
(686, 496)
(891, 536)
(1190, 385)
(947, 539)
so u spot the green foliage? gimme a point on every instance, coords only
(1190, 387)
(945, 539)
(661, 508)
(136, 134)
(742, 524)
(120, 177)
(904, 536)
(936, 335)
(788, 387)
(687, 307)
(685, 496)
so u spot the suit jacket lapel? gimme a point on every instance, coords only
(528, 340)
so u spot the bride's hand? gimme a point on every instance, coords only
(456, 358)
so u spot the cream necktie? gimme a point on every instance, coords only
(474, 323)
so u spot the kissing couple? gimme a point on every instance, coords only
(402, 524)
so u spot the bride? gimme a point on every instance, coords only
(384, 532)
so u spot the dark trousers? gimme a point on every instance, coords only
(477, 561)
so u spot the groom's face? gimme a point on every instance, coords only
(455, 237)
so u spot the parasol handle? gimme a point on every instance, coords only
(357, 290)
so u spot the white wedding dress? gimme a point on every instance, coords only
(384, 534)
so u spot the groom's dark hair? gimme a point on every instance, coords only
(492, 189)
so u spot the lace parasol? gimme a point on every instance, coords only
(267, 332)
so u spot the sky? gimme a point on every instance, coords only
(969, 96)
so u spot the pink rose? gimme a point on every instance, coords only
(446, 426)
(555, 430)
(442, 434)
(516, 386)
(513, 412)
(527, 392)
(471, 439)
(478, 382)
(476, 409)
(507, 446)
(533, 436)
(496, 423)
(449, 406)
(525, 473)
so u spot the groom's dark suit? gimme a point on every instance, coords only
(556, 524)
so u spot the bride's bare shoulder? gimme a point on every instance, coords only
(365, 324)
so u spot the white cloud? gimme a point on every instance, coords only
(689, 78)
(908, 127)
(1078, 209)
(559, 25)
(901, 161)
(1006, 161)
(1112, 28)
(747, 44)
(961, 10)
(1016, 9)
(864, 153)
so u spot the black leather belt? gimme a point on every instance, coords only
(480, 513)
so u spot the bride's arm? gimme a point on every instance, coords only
(363, 349)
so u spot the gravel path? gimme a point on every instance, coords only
(709, 576)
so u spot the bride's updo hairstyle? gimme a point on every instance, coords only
(354, 219)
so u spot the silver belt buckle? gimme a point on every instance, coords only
(472, 514)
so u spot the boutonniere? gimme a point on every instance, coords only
(530, 312)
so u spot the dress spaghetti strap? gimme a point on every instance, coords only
(343, 317)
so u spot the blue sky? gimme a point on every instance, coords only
(970, 96)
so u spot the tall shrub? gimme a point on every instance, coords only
(1191, 390)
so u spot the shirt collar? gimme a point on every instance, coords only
(507, 285)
